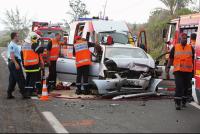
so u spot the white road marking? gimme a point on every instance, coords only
(3, 54)
(195, 105)
(57, 126)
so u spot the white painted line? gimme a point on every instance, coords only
(195, 105)
(57, 126)
(3, 54)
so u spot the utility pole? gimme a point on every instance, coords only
(104, 12)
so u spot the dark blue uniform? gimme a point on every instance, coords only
(16, 76)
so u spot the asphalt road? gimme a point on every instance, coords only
(94, 116)
(18, 116)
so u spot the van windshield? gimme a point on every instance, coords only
(117, 37)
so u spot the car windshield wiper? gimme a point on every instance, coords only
(114, 31)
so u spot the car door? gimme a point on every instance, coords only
(66, 67)
(168, 80)
(67, 71)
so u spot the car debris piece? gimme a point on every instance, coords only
(134, 95)
(63, 86)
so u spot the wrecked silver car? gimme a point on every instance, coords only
(117, 68)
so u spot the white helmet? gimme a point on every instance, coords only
(31, 36)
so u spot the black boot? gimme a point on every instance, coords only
(184, 101)
(10, 96)
(86, 90)
(178, 104)
(78, 90)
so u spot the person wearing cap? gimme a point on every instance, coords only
(181, 57)
(31, 51)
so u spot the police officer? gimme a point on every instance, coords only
(31, 51)
(181, 57)
(53, 53)
(15, 68)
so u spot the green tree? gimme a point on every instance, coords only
(173, 5)
(14, 21)
(78, 9)
(158, 21)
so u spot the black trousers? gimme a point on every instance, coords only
(32, 80)
(183, 83)
(52, 74)
(82, 73)
(16, 77)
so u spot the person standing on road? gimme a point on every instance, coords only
(31, 51)
(15, 68)
(53, 48)
(181, 57)
(83, 62)
(193, 38)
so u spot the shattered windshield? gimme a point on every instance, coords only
(114, 52)
(117, 37)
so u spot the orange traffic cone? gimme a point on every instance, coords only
(44, 96)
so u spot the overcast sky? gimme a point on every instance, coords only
(133, 11)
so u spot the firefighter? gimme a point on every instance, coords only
(53, 54)
(15, 68)
(181, 57)
(83, 62)
(31, 51)
(193, 39)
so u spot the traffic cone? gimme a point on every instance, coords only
(44, 96)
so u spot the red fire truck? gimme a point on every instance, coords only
(188, 24)
(46, 31)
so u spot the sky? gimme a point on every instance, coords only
(133, 11)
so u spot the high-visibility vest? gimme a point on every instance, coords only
(55, 50)
(83, 55)
(183, 58)
(69, 51)
(30, 57)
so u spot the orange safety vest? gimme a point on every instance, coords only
(83, 55)
(183, 58)
(69, 51)
(55, 50)
(30, 58)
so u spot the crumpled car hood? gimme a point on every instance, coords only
(135, 64)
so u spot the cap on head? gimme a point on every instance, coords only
(183, 35)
